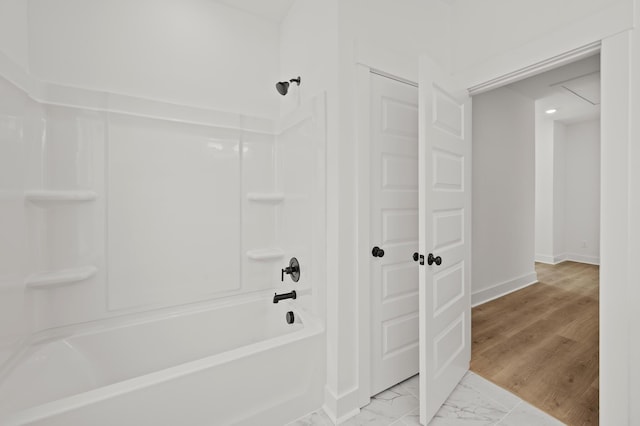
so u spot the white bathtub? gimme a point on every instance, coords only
(237, 363)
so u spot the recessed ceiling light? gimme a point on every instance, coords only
(551, 111)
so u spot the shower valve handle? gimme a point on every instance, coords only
(293, 269)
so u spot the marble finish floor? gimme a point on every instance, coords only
(475, 401)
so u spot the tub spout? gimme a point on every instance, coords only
(279, 297)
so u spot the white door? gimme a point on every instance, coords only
(444, 231)
(394, 231)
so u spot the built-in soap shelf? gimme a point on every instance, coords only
(266, 254)
(62, 277)
(59, 196)
(266, 197)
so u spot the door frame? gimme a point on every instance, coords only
(615, 219)
(615, 225)
(369, 59)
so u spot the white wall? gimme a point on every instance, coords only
(567, 190)
(582, 189)
(193, 52)
(560, 218)
(409, 27)
(487, 30)
(550, 188)
(14, 40)
(544, 186)
(308, 48)
(503, 193)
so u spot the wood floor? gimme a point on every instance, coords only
(541, 342)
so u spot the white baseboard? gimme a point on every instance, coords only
(581, 258)
(544, 258)
(573, 257)
(559, 258)
(503, 288)
(342, 407)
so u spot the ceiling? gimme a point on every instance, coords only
(573, 89)
(274, 10)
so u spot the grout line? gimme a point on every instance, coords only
(410, 392)
(411, 410)
(402, 418)
(403, 414)
(510, 411)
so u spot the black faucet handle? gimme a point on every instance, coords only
(293, 269)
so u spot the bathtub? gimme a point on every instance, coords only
(236, 363)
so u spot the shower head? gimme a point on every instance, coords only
(283, 86)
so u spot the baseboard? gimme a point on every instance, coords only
(550, 260)
(503, 288)
(581, 258)
(342, 407)
(543, 258)
(573, 257)
(559, 258)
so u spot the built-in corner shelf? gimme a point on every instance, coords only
(60, 278)
(52, 196)
(266, 197)
(266, 254)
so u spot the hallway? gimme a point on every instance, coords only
(541, 342)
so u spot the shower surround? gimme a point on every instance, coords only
(115, 206)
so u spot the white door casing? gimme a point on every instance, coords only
(394, 229)
(444, 231)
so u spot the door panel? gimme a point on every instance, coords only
(394, 228)
(399, 172)
(448, 227)
(444, 231)
(399, 280)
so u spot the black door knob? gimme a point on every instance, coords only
(377, 252)
(416, 256)
(431, 260)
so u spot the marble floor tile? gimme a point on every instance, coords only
(475, 401)
(412, 386)
(495, 392)
(411, 419)
(385, 408)
(468, 406)
(527, 415)
(319, 418)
